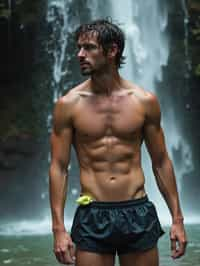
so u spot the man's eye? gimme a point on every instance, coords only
(90, 47)
(86, 47)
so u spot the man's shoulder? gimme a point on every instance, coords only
(151, 104)
(72, 96)
(142, 94)
(148, 100)
(64, 108)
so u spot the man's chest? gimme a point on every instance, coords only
(120, 117)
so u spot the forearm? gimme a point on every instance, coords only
(166, 181)
(57, 193)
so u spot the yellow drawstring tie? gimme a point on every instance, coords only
(84, 199)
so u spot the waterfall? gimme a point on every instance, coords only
(146, 43)
(57, 16)
(186, 20)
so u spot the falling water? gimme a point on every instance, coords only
(57, 15)
(146, 44)
(186, 20)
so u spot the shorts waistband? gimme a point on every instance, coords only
(119, 204)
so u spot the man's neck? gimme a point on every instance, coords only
(106, 83)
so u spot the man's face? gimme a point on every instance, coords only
(90, 54)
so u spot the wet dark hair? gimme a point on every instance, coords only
(107, 34)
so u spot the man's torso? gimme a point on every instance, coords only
(107, 136)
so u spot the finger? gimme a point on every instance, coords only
(177, 254)
(173, 246)
(181, 249)
(59, 256)
(72, 251)
(67, 258)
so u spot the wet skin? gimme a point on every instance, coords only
(106, 119)
(108, 139)
(108, 149)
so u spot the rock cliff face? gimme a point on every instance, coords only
(27, 96)
(182, 82)
(191, 183)
(26, 70)
(23, 106)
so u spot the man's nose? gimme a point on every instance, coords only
(81, 52)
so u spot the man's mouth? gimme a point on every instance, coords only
(84, 64)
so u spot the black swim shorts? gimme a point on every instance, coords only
(122, 227)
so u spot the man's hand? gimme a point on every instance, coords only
(178, 239)
(64, 248)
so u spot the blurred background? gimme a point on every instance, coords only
(38, 65)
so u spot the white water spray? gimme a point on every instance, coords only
(57, 16)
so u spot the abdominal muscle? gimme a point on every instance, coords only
(111, 173)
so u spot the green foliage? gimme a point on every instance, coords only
(18, 118)
(196, 33)
(5, 13)
(29, 11)
(197, 70)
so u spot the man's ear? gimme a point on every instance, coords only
(112, 51)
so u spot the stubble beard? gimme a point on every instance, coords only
(94, 71)
(86, 72)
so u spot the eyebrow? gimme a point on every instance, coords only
(87, 45)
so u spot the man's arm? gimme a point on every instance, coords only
(164, 172)
(60, 139)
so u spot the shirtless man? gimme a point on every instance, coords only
(106, 119)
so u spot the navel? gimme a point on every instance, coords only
(112, 178)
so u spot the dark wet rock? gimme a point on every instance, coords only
(22, 145)
(26, 71)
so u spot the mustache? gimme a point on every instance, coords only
(84, 62)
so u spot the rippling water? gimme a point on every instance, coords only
(37, 250)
